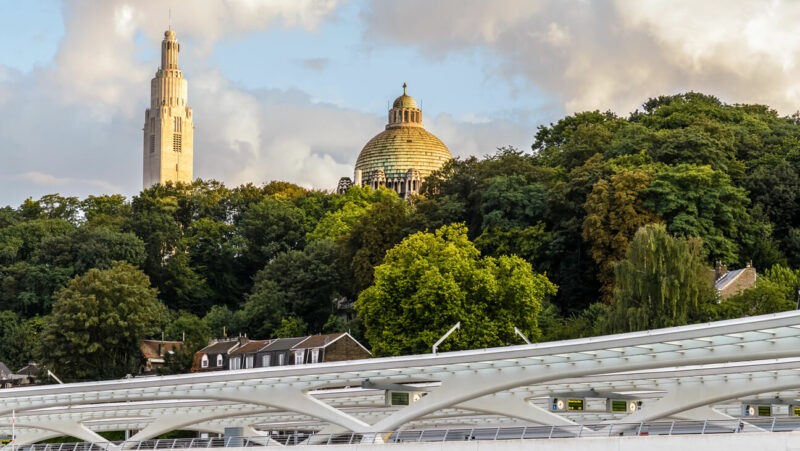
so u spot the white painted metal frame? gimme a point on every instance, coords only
(489, 381)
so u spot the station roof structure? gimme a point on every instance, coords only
(681, 372)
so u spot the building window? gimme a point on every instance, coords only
(405, 116)
(178, 125)
(235, 363)
(248, 361)
(298, 357)
(176, 142)
(220, 361)
(204, 361)
(315, 355)
(266, 360)
(281, 358)
(152, 143)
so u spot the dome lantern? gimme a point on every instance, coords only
(404, 112)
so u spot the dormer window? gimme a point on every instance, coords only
(219, 360)
(204, 361)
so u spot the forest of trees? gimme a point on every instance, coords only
(608, 224)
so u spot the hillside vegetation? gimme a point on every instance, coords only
(608, 224)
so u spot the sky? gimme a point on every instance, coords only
(293, 89)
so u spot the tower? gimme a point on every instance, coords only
(168, 126)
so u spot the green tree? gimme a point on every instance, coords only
(19, 241)
(614, 212)
(508, 201)
(302, 284)
(764, 298)
(222, 321)
(337, 224)
(87, 248)
(430, 281)
(291, 327)
(27, 289)
(195, 335)
(17, 339)
(529, 243)
(698, 201)
(270, 227)
(382, 226)
(97, 322)
(662, 282)
(213, 248)
(105, 211)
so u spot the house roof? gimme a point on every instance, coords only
(283, 344)
(150, 348)
(31, 369)
(251, 347)
(5, 373)
(726, 279)
(318, 341)
(220, 347)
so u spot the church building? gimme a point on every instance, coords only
(401, 156)
(168, 127)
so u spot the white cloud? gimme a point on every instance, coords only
(74, 125)
(50, 181)
(614, 54)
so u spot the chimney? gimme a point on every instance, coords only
(720, 270)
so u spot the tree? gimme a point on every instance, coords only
(509, 201)
(27, 289)
(764, 298)
(614, 212)
(337, 224)
(97, 322)
(213, 247)
(573, 140)
(195, 335)
(302, 284)
(105, 211)
(222, 321)
(19, 241)
(662, 282)
(270, 227)
(698, 201)
(430, 281)
(382, 226)
(17, 339)
(291, 327)
(529, 243)
(87, 248)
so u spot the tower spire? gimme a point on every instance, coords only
(404, 88)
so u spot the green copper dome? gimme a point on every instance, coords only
(404, 145)
(396, 150)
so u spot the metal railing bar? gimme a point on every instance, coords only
(672, 427)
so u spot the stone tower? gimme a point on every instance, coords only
(168, 127)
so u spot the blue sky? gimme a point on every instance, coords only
(292, 89)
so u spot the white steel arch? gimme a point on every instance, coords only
(491, 381)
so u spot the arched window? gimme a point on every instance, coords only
(204, 361)
(219, 360)
(405, 116)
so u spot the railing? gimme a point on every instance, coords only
(677, 427)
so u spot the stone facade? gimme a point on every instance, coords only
(168, 126)
(401, 156)
(731, 283)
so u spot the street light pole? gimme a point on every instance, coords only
(449, 332)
